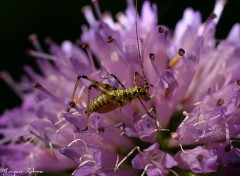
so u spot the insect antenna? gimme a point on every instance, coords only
(138, 46)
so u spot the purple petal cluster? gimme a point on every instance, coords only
(188, 73)
(153, 161)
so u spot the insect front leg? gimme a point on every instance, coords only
(139, 98)
(119, 82)
(135, 78)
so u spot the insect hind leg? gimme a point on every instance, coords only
(106, 87)
(88, 112)
(102, 85)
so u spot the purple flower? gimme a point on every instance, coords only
(153, 161)
(198, 160)
(79, 127)
(143, 127)
(24, 150)
(228, 157)
(214, 118)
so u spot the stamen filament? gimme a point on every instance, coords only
(176, 59)
(129, 154)
(11, 83)
(152, 58)
(88, 14)
(35, 42)
(218, 9)
(44, 90)
(90, 56)
(75, 141)
(97, 8)
(41, 55)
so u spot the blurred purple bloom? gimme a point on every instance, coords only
(186, 73)
(25, 150)
(228, 158)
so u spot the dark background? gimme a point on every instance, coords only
(61, 19)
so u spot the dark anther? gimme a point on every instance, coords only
(21, 139)
(212, 16)
(220, 102)
(123, 126)
(80, 130)
(199, 158)
(78, 42)
(227, 148)
(48, 41)
(152, 56)
(160, 29)
(101, 129)
(110, 39)
(181, 52)
(167, 92)
(84, 45)
(238, 82)
(37, 85)
(85, 129)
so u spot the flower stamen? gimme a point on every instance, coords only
(88, 14)
(129, 154)
(97, 8)
(110, 39)
(45, 91)
(11, 83)
(89, 53)
(218, 9)
(152, 58)
(176, 59)
(161, 29)
(40, 55)
(35, 42)
(220, 102)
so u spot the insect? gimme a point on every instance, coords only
(110, 97)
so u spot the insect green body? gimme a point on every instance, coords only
(114, 99)
(111, 98)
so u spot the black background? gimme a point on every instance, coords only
(61, 20)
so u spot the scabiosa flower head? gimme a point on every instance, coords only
(75, 124)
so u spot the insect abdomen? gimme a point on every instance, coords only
(113, 100)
